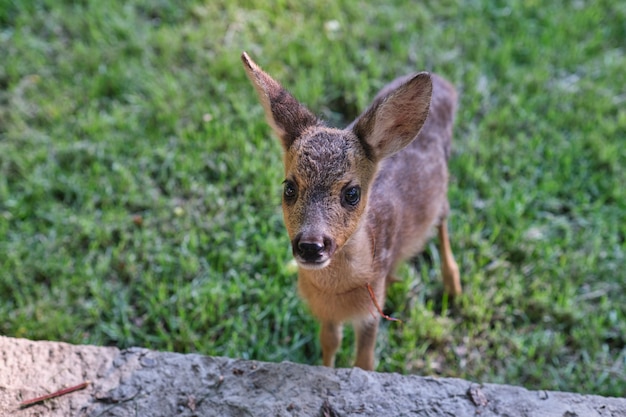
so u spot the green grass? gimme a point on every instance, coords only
(140, 185)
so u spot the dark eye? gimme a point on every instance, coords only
(352, 195)
(289, 191)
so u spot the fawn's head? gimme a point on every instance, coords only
(328, 172)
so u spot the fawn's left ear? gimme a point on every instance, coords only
(286, 116)
(392, 122)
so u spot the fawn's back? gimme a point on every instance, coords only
(358, 201)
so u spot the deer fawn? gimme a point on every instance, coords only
(358, 201)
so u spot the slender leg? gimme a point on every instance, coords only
(330, 338)
(365, 332)
(449, 267)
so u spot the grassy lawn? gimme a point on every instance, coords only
(140, 186)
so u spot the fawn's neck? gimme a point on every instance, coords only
(352, 266)
(339, 292)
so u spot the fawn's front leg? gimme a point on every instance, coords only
(330, 339)
(365, 332)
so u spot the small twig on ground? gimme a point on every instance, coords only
(380, 310)
(55, 394)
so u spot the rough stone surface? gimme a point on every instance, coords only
(141, 382)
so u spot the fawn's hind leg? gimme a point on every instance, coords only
(449, 267)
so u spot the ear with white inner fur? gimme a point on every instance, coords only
(286, 116)
(392, 122)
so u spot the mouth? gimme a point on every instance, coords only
(312, 265)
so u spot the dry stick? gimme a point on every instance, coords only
(380, 310)
(55, 394)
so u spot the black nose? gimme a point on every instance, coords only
(311, 248)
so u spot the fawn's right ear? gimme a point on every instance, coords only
(286, 116)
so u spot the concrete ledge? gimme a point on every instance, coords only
(141, 382)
